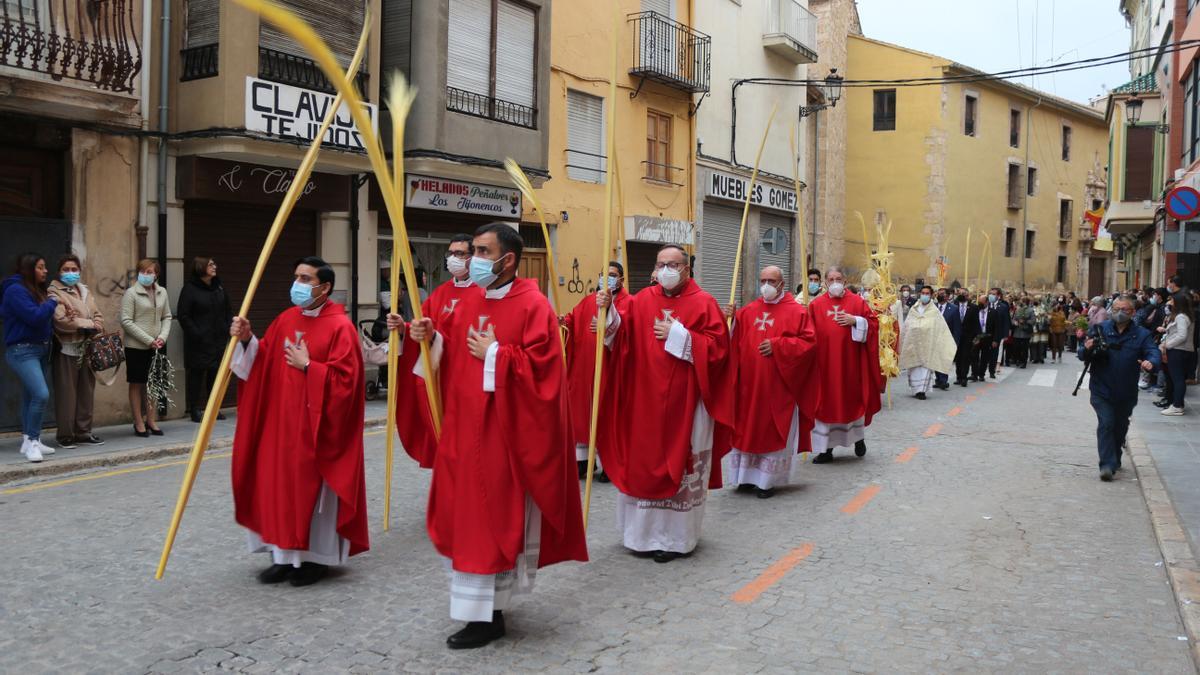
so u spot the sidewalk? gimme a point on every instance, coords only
(122, 447)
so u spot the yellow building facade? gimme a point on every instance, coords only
(996, 158)
(662, 67)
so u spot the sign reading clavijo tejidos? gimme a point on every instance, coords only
(292, 112)
(734, 188)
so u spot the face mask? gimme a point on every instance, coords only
(925, 299)
(146, 279)
(905, 294)
(669, 278)
(302, 294)
(991, 298)
(456, 266)
(483, 271)
(69, 278)
(1154, 300)
(837, 289)
(814, 287)
(768, 291)
(1121, 318)
(612, 284)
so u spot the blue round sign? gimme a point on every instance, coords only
(1183, 203)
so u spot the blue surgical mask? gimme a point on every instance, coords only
(302, 294)
(1154, 300)
(991, 298)
(146, 279)
(69, 278)
(925, 299)
(612, 284)
(814, 288)
(483, 272)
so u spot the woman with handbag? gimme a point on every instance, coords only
(27, 311)
(146, 319)
(205, 316)
(75, 320)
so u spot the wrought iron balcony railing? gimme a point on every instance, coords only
(199, 62)
(285, 68)
(487, 107)
(93, 41)
(791, 31)
(671, 53)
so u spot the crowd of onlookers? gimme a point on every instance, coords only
(51, 318)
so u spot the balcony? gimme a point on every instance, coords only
(487, 107)
(90, 41)
(791, 31)
(199, 62)
(298, 71)
(670, 53)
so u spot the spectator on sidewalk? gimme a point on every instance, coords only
(146, 319)
(1097, 314)
(75, 320)
(1058, 332)
(1113, 385)
(205, 316)
(27, 312)
(1177, 348)
(1022, 332)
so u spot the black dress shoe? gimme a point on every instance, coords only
(582, 465)
(963, 383)
(1162, 403)
(309, 574)
(197, 416)
(1106, 474)
(746, 487)
(860, 448)
(90, 439)
(602, 477)
(765, 494)
(920, 396)
(275, 574)
(478, 633)
(645, 554)
(668, 556)
(824, 457)
(141, 434)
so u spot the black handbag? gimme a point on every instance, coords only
(104, 352)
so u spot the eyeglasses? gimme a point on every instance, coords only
(461, 255)
(673, 266)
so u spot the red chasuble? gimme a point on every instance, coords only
(413, 420)
(650, 396)
(849, 374)
(770, 387)
(497, 447)
(581, 362)
(296, 429)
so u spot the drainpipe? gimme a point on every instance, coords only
(1025, 203)
(163, 84)
(816, 188)
(140, 227)
(354, 247)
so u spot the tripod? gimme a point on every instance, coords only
(1086, 367)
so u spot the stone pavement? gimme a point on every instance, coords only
(974, 537)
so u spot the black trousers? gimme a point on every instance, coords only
(199, 385)
(1020, 351)
(963, 360)
(985, 360)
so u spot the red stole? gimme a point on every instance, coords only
(848, 371)
(581, 362)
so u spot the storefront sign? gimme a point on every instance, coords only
(443, 194)
(222, 180)
(291, 112)
(659, 230)
(735, 188)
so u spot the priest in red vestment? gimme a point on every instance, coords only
(668, 394)
(774, 347)
(849, 376)
(505, 498)
(581, 361)
(413, 421)
(298, 483)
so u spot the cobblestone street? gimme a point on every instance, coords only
(961, 542)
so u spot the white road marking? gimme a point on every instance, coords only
(1044, 377)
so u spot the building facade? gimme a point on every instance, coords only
(1002, 160)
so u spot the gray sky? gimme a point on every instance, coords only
(994, 35)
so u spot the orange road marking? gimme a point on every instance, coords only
(906, 455)
(933, 430)
(991, 387)
(750, 592)
(861, 499)
(955, 411)
(972, 399)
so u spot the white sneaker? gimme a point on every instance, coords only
(43, 448)
(1172, 411)
(31, 451)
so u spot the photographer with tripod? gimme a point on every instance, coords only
(1115, 351)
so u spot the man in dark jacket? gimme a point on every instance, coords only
(1114, 378)
(968, 319)
(949, 312)
(997, 304)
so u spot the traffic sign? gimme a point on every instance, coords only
(1183, 203)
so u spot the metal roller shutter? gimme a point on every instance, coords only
(468, 51)
(775, 247)
(664, 7)
(203, 23)
(642, 257)
(339, 24)
(395, 38)
(516, 28)
(718, 248)
(585, 137)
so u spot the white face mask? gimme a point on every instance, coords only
(769, 292)
(669, 278)
(905, 294)
(456, 266)
(837, 289)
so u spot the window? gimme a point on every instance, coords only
(200, 23)
(585, 137)
(1096, 204)
(885, 110)
(1066, 143)
(491, 60)
(1014, 128)
(1066, 209)
(1029, 243)
(658, 146)
(339, 27)
(1031, 185)
(1139, 163)
(970, 114)
(1191, 120)
(1014, 186)
(1060, 272)
(1010, 242)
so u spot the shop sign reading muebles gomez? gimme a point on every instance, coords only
(443, 194)
(291, 112)
(734, 188)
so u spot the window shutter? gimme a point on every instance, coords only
(203, 23)
(468, 56)
(663, 7)
(516, 26)
(339, 25)
(585, 134)
(1139, 163)
(718, 249)
(395, 38)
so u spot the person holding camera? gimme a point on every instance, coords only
(1116, 351)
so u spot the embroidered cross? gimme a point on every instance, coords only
(449, 309)
(484, 327)
(836, 313)
(287, 342)
(667, 314)
(764, 321)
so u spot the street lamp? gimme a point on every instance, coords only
(1133, 109)
(832, 91)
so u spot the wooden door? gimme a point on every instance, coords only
(1096, 276)
(533, 266)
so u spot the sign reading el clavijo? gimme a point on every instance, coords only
(734, 188)
(291, 112)
(443, 194)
